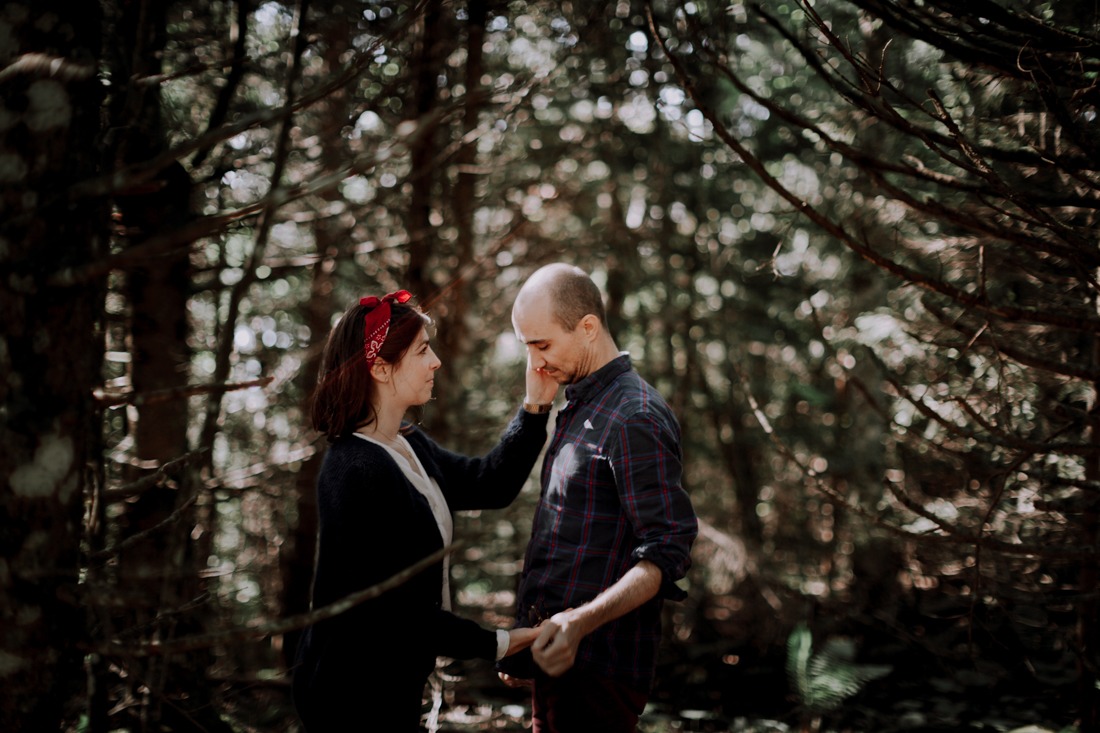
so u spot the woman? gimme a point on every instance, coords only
(385, 496)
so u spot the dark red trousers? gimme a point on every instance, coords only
(578, 702)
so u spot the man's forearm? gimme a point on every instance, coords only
(641, 583)
(555, 649)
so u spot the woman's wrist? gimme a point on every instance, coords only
(504, 640)
(537, 408)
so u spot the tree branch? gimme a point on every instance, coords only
(261, 630)
(108, 398)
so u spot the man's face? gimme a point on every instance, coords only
(562, 355)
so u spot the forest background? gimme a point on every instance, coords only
(853, 241)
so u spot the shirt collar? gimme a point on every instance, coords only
(594, 383)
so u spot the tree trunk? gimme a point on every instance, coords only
(296, 555)
(453, 335)
(50, 352)
(1088, 607)
(423, 174)
(152, 572)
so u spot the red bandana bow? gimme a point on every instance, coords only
(376, 323)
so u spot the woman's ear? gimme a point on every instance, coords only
(380, 370)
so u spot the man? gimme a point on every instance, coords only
(613, 528)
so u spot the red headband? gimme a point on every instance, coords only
(376, 323)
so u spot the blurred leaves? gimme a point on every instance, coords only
(825, 678)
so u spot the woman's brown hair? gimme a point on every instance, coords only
(343, 399)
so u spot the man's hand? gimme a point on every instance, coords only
(555, 649)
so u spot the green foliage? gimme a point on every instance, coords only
(825, 679)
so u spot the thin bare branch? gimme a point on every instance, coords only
(110, 398)
(258, 631)
(154, 479)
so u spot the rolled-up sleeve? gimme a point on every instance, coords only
(649, 475)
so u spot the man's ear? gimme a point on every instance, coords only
(591, 326)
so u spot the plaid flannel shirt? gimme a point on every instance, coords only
(611, 496)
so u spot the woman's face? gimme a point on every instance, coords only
(414, 375)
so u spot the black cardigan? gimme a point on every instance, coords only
(373, 524)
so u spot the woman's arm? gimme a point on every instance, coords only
(495, 479)
(490, 481)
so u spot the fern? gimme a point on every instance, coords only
(826, 679)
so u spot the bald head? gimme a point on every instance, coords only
(566, 291)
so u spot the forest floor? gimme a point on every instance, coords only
(906, 716)
(476, 702)
(467, 697)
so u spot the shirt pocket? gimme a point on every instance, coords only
(582, 490)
